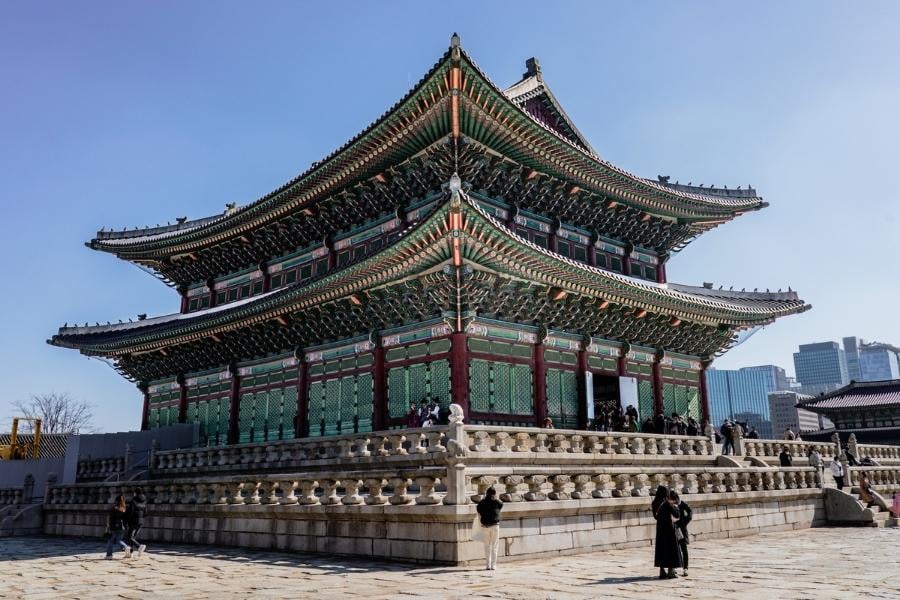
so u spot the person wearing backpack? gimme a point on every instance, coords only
(489, 514)
(134, 516)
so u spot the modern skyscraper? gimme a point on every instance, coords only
(879, 362)
(743, 394)
(821, 364)
(851, 354)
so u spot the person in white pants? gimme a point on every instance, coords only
(489, 513)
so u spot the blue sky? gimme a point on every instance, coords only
(126, 113)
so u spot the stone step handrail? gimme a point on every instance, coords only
(763, 448)
(400, 446)
(880, 452)
(502, 440)
(538, 484)
(412, 486)
(12, 496)
(100, 468)
(878, 476)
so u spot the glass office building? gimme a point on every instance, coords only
(819, 364)
(743, 394)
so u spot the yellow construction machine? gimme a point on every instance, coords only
(15, 450)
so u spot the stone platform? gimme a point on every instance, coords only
(813, 563)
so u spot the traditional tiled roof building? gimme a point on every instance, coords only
(868, 409)
(469, 245)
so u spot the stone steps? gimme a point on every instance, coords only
(881, 517)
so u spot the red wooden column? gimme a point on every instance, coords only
(705, 414)
(661, 270)
(379, 419)
(459, 371)
(145, 415)
(235, 405)
(266, 278)
(182, 399)
(657, 387)
(211, 284)
(581, 374)
(302, 425)
(539, 384)
(626, 261)
(182, 291)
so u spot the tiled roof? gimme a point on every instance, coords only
(868, 394)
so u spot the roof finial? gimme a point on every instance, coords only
(454, 40)
(533, 68)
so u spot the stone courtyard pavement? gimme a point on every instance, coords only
(816, 563)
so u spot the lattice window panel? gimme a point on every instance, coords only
(440, 381)
(480, 385)
(348, 405)
(365, 402)
(693, 402)
(398, 397)
(554, 394)
(412, 384)
(523, 395)
(669, 398)
(681, 400)
(289, 412)
(332, 406)
(315, 408)
(645, 398)
(502, 388)
(245, 418)
(497, 387)
(562, 398)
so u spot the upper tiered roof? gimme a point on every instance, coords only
(365, 177)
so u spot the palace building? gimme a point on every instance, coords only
(468, 246)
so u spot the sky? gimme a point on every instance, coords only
(116, 114)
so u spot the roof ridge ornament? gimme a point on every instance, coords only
(533, 68)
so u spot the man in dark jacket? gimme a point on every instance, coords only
(134, 516)
(489, 514)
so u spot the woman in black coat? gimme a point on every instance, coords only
(667, 555)
(685, 514)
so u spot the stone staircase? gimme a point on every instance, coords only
(881, 517)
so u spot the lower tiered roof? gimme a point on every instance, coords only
(505, 277)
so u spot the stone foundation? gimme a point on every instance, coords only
(442, 534)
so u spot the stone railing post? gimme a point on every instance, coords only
(711, 434)
(457, 451)
(738, 439)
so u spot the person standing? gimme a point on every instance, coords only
(489, 513)
(135, 516)
(115, 528)
(685, 514)
(814, 459)
(837, 471)
(785, 458)
(667, 556)
(727, 440)
(412, 417)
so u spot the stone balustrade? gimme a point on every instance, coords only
(12, 496)
(407, 446)
(98, 469)
(514, 442)
(535, 484)
(881, 453)
(772, 448)
(396, 487)
(879, 477)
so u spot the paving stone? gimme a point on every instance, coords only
(810, 563)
